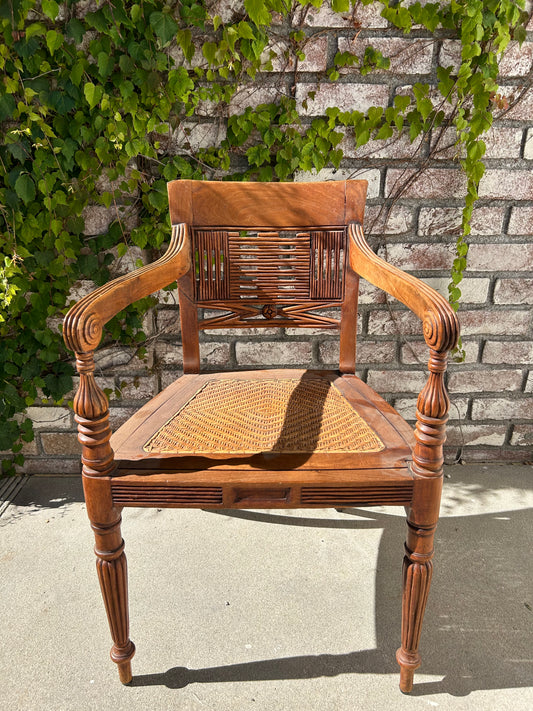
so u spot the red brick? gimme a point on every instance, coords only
(522, 436)
(370, 294)
(55, 465)
(473, 290)
(528, 148)
(450, 54)
(502, 409)
(500, 141)
(247, 95)
(192, 136)
(505, 323)
(407, 407)
(211, 354)
(60, 443)
(316, 55)
(119, 415)
(501, 257)
(54, 418)
(475, 435)
(430, 183)
(396, 147)
(513, 352)
(109, 359)
(369, 17)
(168, 321)
(274, 353)
(214, 354)
(484, 380)
(379, 220)
(520, 100)
(517, 59)
(521, 222)
(346, 97)
(507, 185)
(396, 381)
(367, 352)
(500, 455)
(407, 56)
(402, 322)
(372, 175)
(97, 218)
(447, 221)
(136, 388)
(514, 291)
(80, 289)
(433, 94)
(170, 376)
(418, 352)
(419, 256)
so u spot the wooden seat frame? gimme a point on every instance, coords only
(211, 222)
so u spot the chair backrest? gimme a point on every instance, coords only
(268, 254)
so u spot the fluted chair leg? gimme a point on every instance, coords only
(417, 574)
(112, 574)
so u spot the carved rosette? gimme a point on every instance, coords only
(269, 311)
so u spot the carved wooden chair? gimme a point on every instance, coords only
(264, 254)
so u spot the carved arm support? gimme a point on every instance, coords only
(83, 325)
(441, 331)
(82, 331)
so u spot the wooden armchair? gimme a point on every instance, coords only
(264, 254)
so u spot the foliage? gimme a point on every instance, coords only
(93, 97)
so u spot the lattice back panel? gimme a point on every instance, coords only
(269, 266)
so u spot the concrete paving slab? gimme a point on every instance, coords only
(284, 611)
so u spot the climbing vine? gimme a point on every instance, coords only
(98, 104)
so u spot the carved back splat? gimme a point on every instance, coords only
(268, 258)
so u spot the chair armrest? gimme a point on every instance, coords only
(440, 324)
(83, 325)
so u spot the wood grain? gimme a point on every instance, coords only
(265, 255)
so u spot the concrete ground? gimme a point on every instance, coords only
(265, 610)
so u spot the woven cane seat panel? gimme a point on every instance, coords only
(253, 416)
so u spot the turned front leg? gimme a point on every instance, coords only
(431, 415)
(111, 567)
(417, 573)
(94, 433)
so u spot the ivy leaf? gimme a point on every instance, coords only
(340, 5)
(54, 40)
(37, 28)
(401, 102)
(384, 132)
(209, 50)
(164, 26)
(7, 106)
(257, 12)
(75, 30)
(25, 188)
(93, 94)
(245, 30)
(50, 8)
(106, 63)
(425, 107)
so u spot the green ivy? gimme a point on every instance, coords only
(89, 103)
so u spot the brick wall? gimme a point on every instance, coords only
(491, 417)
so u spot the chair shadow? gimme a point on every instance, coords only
(475, 634)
